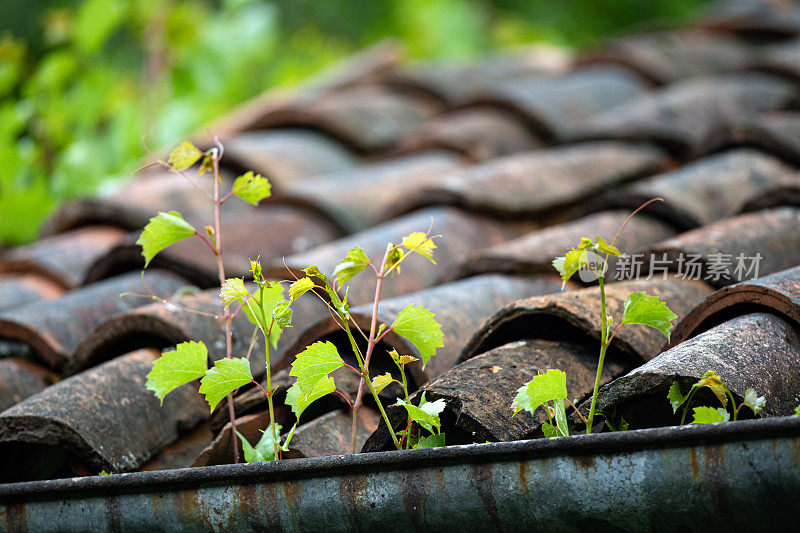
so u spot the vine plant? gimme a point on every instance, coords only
(265, 305)
(639, 309)
(708, 415)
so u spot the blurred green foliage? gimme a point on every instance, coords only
(82, 82)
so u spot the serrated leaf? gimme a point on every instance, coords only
(264, 450)
(428, 419)
(299, 400)
(570, 263)
(709, 415)
(421, 244)
(271, 297)
(282, 314)
(226, 376)
(714, 382)
(163, 230)
(354, 262)
(251, 187)
(184, 156)
(315, 363)
(430, 441)
(675, 397)
(552, 385)
(606, 248)
(187, 362)
(752, 400)
(233, 290)
(418, 325)
(382, 381)
(300, 287)
(648, 310)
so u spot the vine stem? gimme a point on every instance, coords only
(603, 348)
(216, 154)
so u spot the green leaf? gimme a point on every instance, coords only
(226, 376)
(382, 381)
(282, 314)
(570, 263)
(754, 401)
(252, 188)
(561, 417)
(714, 382)
(428, 417)
(163, 230)
(675, 397)
(648, 310)
(421, 244)
(187, 362)
(299, 400)
(431, 441)
(354, 262)
(797, 411)
(300, 287)
(271, 298)
(606, 248)
(417, 324)
(550, 430)
(315, 363)
(551, 385)
(709, 415)
(233, 290)
(265, 448)
(184, 156)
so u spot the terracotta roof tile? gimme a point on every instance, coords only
(114, 393)
(20, 379)
(21, 289)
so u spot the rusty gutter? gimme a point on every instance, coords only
(730, 477)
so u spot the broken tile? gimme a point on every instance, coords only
(54, 329)
(576, 315)
(102, 419)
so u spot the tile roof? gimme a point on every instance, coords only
(513, 158)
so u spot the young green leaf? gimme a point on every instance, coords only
(184, 156)
(754, 401)
(417, 324)
(187, 362)
(271, 297)
(570, 263)
(648, 310)
(550, 430)
(431, 441)
(382, 381)
(714, 382)
(264, 450)
(421, 244)
(561, 417)
(315, 363)
(226, 376)
(606, 248)
(233, 290)
(300, 287)
(252, 188)
(709, 415)
(300, 400)
(427, 418)
(551, 385)
(354, 262)
(675, 397)
(282, 314)
(163, 230)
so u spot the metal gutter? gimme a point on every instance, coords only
(720, 477)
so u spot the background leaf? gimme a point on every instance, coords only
(184, 156)
(648, 310)
(162, 231)
(187, 362)
(226, 376)
(418, 325)
(252, 188)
